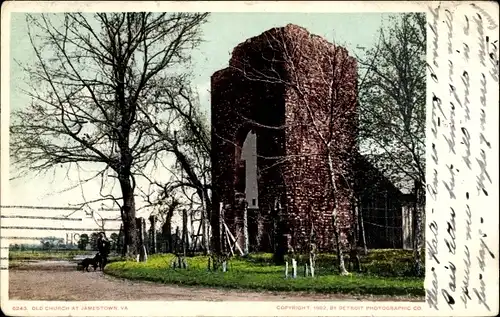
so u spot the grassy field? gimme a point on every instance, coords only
(384, 274)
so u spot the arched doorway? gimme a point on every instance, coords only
(246, 183)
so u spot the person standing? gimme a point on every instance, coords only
(103, 246)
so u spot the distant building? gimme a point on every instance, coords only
(385, 209)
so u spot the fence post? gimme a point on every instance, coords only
(286, 269)
(294, 268)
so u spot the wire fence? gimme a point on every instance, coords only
(20, 226)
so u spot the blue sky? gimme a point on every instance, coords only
(221, 34)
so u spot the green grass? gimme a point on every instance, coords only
(381, 262)
(258, 273)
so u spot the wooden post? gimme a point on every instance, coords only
(286, 269)
(306, 270)
(229, 241)
(194, 237)
(230, 235)
(185, 239)
(294, 268)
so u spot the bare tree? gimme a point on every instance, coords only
(392, 108)
(166, 212)
(321, 78)
(95, 76)
(184, 135)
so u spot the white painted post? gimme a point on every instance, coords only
(312, 266)
(294, 268)
(306, 270)
(224, 266)
(286, 269)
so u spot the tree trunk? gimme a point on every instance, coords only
(279, 246)
(121, 241)
(222, 238)
(216, 229)
(128, 218)
(245, 229)
(141, 243)
(340, 252)
(354, 260)
(205, 223)
(417, 245)
(152, 220)
(185, 239)
(356, 220)
(312, 250)
(167, 228)
(145, 238)
(362, 227)
(167, 235)
(333, 187)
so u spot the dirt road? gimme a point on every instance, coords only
(56, 281)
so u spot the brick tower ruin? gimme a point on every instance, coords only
(284, 93)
